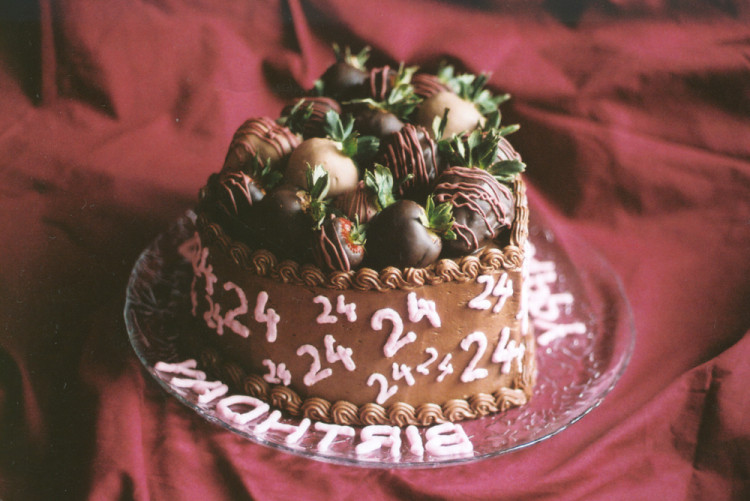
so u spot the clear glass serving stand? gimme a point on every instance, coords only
(576, 369)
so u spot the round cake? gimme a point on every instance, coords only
(360, 259)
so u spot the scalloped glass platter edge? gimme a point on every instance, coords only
(577, 368)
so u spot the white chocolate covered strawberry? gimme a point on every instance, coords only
(464, 108)
(336, 153)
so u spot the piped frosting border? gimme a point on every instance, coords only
(264, 263)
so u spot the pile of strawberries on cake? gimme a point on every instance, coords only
(372, 167)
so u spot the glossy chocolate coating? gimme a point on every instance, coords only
(332, 247)
(358, 203)
(343, 82)
(258, 136)
(373, 122)
(397, 237)
(284, 226)
(482, 207)
(410, 151)
(236, 194)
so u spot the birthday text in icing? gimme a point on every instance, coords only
(252, 415)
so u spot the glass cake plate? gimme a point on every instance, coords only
(585, 335)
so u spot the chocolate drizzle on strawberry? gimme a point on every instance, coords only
(426, 85)
(381, 82)
(506, 151)
(412, 157)
(482, 206)
(236, 193)
(249, 139)
(336, 245)
(357, 204)
(308, 115)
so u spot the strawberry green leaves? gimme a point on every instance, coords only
(481, 148)
(439, 218)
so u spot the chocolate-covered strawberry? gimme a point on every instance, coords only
(346, 78)
(405, 234)
(372, 194)
(287, 216)
(466, 106)
(335, 153)
(232, 196)
(306, 116)
(477, 188)
(374, 121)
(427, 85)
(338, 245)
(260, 137)
(412, 156)
(236, 193)
(391, 102)
(381, 81)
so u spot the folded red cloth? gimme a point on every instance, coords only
(634, 120)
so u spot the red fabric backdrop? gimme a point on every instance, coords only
(636, 128)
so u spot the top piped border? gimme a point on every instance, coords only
(264, 263)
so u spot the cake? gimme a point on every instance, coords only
(360, 259)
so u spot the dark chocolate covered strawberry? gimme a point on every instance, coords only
(236, 193)
(338, 245)
(391, 102)
(412, 156)
(405, 234)
(232, 197)
(306, 116)
(374, 121)
(381, 81)
(477, 187)
(286, 217)
(260, 137)
(372, 194)
(347, 78)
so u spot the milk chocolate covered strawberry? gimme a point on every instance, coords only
(260, 137)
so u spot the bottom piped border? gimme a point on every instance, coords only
(397, 414)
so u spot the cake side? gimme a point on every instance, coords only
(414, 346)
